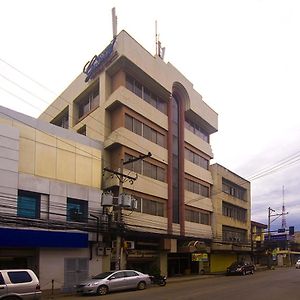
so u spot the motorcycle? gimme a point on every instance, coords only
(158, 279)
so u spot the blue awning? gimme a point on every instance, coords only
(12, 237)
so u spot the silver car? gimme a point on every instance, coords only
(297, 264)
(106, 282)
(19, 284)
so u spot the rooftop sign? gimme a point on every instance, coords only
(98, 62)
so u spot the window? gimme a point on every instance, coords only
(137, 127)
(196, 188)
(77, 210)
(29, 204)
(231, 234)
(62, 120)
(151, 207)
(19, 276)
(144, 130)
(88, 102)
(197, 130)
(234, 212)
(145, 168)
(197, 216)
(1, 279)
(144, 93)
(128, 122)
(233, 189)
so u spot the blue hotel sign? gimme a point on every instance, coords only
(98, 62)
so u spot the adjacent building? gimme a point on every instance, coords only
(50, 183)
(231, 220)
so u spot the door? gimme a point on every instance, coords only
(75, 271)
(116, 281)
(3, 287)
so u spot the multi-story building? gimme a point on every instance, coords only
(135, 103)
(258, 232)
(50, 184)
(231, 218)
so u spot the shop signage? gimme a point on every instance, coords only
(98, 62)
(199, 257)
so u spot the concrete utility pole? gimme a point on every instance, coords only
(119, 260)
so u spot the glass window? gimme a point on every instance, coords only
(137, 166)
(129, 122)
(147, 170)
(160, 209)
(161, 105)
(204, 191)
(137, 127)
(138, 89)
(153, 100)
(161, 174)
(160, 139)
(147, 95)
(205, 218)
(19, 276)
(129, 83)
(153, 136)
(131, 274)
(77, 210)
(147, 132)
(28, 205)
(1, 279)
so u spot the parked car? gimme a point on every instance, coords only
(297, 264)
(19, 284)
(106, 282)
(241, 268)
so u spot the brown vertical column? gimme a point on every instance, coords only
(170, 166)
(181, 167)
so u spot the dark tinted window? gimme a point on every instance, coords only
(102, 275)
(131, 274)
(19, 276)
(1, 279)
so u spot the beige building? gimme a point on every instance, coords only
(134, 103)
(50, 183)
(231, 221)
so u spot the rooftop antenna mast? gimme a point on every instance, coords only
(160, 51)
(114, 22)
(283, 213)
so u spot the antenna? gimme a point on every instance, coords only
(283, 220)
(156, 39)
(160, 51)
(114, 22)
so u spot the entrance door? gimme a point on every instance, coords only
(76, 270)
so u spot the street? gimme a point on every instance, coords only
(271, 285)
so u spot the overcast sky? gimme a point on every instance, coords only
(242, 56)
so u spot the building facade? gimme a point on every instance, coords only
(50, 184)
(231, 221)
(134, 103)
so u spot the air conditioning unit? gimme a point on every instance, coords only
(107, 251)
(100, 251)
(129, 245)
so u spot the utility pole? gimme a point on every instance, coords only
(120, 175)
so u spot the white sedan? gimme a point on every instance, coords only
(297, 264)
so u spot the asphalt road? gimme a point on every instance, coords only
(283, 284)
